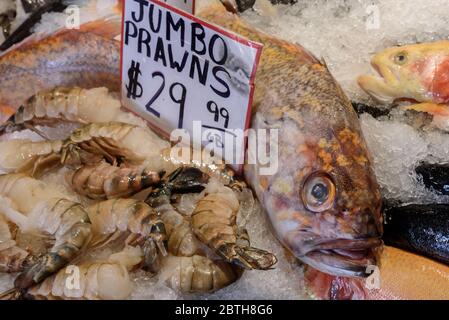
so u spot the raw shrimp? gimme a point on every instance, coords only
(181, 240)
(75, 104)
(102, 180)
(214, 223)
(198, 274)
(37, 207)
(12, 257)
(140, 223)
(24, 155)
(95, 280)
(114, 141)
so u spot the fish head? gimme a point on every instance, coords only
(324, 202)
(410, 72)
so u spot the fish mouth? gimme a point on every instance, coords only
(381, 87)
(344, 257)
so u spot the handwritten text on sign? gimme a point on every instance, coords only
(178, 70)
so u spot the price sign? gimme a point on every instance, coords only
(179, 72)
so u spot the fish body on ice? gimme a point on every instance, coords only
(418, 72)
(324, 201)
(88, 58)
(402, 276)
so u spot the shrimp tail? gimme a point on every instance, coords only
(12, 294)
(247, 257)
(76, 238)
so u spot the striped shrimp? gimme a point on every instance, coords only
(115, 141)
(51, 107)
(181, 240)
(106, 279)
(37, 207)
(134, 219)
(198, 274)
(214, 222)
(105, 181)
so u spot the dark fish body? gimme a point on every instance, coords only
(423, 229)
(435, 177)
(362, 108)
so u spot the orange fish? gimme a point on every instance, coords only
(402, 276)
(418, 72)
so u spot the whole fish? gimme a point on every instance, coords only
(324, 201)
(418, 72)
(88, 57)
(402, 276)
(419, 228)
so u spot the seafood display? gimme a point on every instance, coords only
(87, 188)
(32, 205)
(93, 62)
(335, 223)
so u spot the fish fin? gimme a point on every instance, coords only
(430, 108)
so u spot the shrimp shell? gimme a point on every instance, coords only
(102, 180)
(94, 280)
(22, 155)
(136, 217)
(75, 104)
(115, 141)
(35, 206)
(214, 223)
(198, 274)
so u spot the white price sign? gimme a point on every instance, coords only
(179, 72)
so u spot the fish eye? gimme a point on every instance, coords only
(318, 193)
(401, 58)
